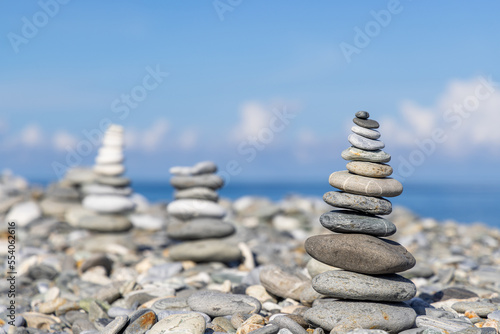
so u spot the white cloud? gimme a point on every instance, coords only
(307, 142)
(467, 112)
(31, 136)
(188, 139)
(254, 118)
(148, 139)
(61, 140)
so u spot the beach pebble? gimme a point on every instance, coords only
(108, 203)
(362, 114)
(101, 189)
(369, 169)
(283, 321)
(366, 123)
(114, 181)
(344, 316)
(350, 285)
(211, 181)
(140, 322)
(217, 304)
(367, 133)
(346, 221)
(146, 221)
(200, 228)
(315, 267)
(204, 167)
(82, 218)
(361, 185)
(366, 204)
(24, 213)
(281, 282)
(197, 193)
(109, 169)
(482, 309)
(360, 253)
(205, 251)
(115, 326)
(356, 154)
(195, 208)
(448, 325)
(364, 143)
(187, 323)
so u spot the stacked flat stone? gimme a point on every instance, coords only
(106, 201)
(370, 294)
(196, 218)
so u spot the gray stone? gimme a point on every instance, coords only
(350, 285)
(72, 316)
(366, 186)
(314, 267)
(187, 323)
(211, 181)
(198, 193)
(205, 251)
(482, 309)
(367, 331)
(116, 325)
(367, 133)
(115, 311)
(204, 167)
(454, 293)
(80, 175)
(355, 154)
(217, 304)
(269, 329)
(174, 303)
(346, 221)
(108, 203)
(362, 114)
(369, 169)
(114, 181)
(81, 325)
(284, 283)
(285, 322)
(366, 204)
(82, 218)
(360, 253)
(164, 314)
(146, 221)
(344, 316)
(366, 123)
(166, 270)
(448, 325)
(201, 228)
(494, 315)
(24, 213)
(97, 260)
(472, 330)
(224, 323)
(364, 143)
(65, 193)
(186, 209)
(141, 321)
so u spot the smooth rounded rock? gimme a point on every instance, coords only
(203, 167)
(283, 321)
(360, 253)
(355, 154)
(217, 304)
(211, 181)
(369, 169)
(350, 285)
(108, 203)
(184, 323)
(362, 185)
(482, 309)
(109, 170)
(362, 114)
(367, 133)
(281, 282)
(141, 322)
(100, 189)
(198, 193)
(314, 267)
(364, 143)
(346, 221)
(366, 204)
(24, 213)
(344, 316)
(109, 159)
(116, 325)
(192, 208)
(114, 181)
(202, 228)
(366, 123)
(86, 219)
(205, 251)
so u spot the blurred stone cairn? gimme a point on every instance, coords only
(106, 192)
(370, 294)
(197, 219)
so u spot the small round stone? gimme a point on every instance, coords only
(346, 221)
(362, 185)
(363, 114)
(367, 133)
(217, 304)
(369, 169)
(355, 154)
(366, 123)
(364, 143)
(366, 204)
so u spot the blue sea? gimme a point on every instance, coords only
(462, 203)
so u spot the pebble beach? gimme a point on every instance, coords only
(92, 256)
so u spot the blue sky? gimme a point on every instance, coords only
(232, 65)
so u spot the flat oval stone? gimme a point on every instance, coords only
(346, 221)
(360, 253)
(349, 285)
(193, 208)
(362, 114)
(204, 167)
(217, 304)
(211, 181)
(141, 323)
(116, 325)
(108, 203)
(185, 323)
(366, 123)
(109, 159)
(86, 219)
(366, 204)
(355, 154)
(364, 132)
(202, 228)
(198, 193)
(364, 143)
(343, 316)
(205, 251)
(109, 170)
(281, 282)
(443, 325)
(115, 181)
(369, 169)
(362, 185)
(482, 309)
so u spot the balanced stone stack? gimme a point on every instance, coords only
(368, 293)
(107, 200)
(197, 219)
